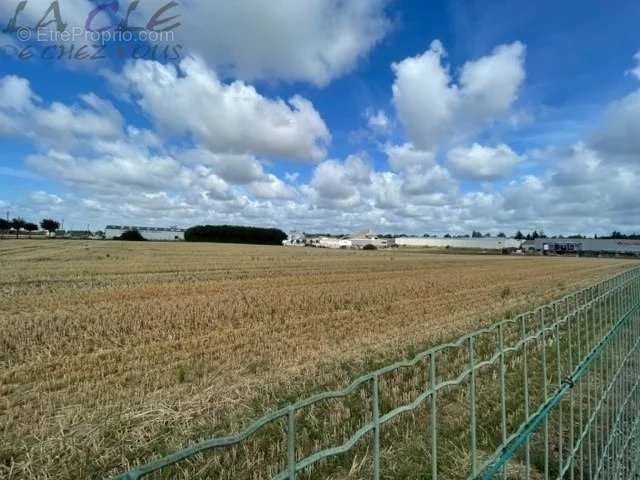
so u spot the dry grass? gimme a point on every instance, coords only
(112, 353)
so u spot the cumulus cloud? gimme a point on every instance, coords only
(314, 41)
(240, 169)
(404, 156)
(107, 171)
(338, 184)
(15, 94)
(483, 163)
(428, 181)
(271, 187)
(226, 118)
(378, 121)
(44, 198)
(619, 136)
(636, 70)
(74, 12)
(128, 171)
(581, 193)
(581, 165)
(57, 125)
(434, 109)
(122, 173)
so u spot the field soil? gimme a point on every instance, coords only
(114, 353)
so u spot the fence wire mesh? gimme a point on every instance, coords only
(551, 393)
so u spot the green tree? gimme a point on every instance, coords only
(49, 225)
(502, 235)
(31, 227)
(519, 235)
(4, 226)
(18, 224)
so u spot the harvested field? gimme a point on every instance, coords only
(112, 353)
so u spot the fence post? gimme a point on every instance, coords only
(503, 389)
(472, 404)
(434, 420)
(525, 367)
(291, 443)
(376, 427)
(545, 391)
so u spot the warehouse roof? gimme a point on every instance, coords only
(145, 229)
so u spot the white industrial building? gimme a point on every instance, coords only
(362, 239)
(329, 242)
(356, 240)
(487, 243)
(376, 242)
(158, 234)
(586, 245)
(295, 239)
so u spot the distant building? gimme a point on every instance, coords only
(335, 243)
(295, 239)
(363, 235)
(559, 246)
(356, 240)
(360, 240)
(171, 234)
(486, 243)
(73, 234)
(375, 241)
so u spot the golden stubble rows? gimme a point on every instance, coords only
(112, 352)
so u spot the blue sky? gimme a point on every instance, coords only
(401, 116)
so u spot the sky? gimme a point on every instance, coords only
(324, 115)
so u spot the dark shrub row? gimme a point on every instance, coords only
(131, 236)
(232, 234)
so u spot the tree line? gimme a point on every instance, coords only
(17, 224)
(235, 234)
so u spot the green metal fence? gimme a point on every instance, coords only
(552, 393)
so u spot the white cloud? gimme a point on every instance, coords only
(404, 156)
(271, 187)
(15, 94)
(337, 185)
(44, 198)
(108, 171)
(636, 70)
(227, 118)
(312, 40)
(428, 181)
(378, 121)
(435, 110)
(120, 173)
(240, 169)
(483, 163)
(619, 137)
(292, 177)
(73, 12)
(580, 166)
(59, 126)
